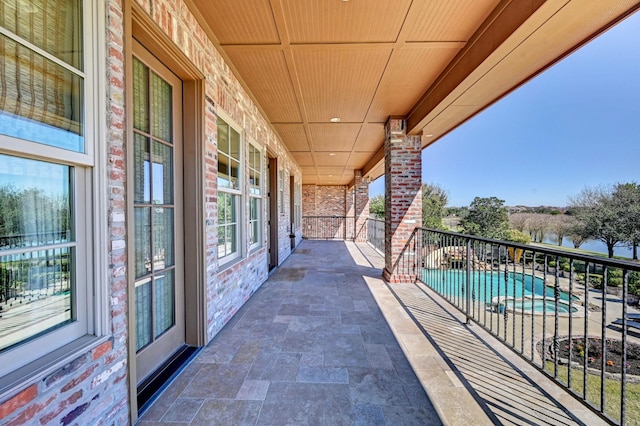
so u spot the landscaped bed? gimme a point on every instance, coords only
(591, 348)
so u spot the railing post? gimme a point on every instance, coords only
(468, 283)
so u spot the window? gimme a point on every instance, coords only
(281, 190)
(229, 193)
(297, 201)
(46, 284)
(255, 197)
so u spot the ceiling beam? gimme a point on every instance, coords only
(505, 19)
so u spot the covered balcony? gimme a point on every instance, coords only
(187, 193)
(391, 323)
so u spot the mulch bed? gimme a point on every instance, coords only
(592, 348)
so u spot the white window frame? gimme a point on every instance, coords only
(297, 208)
(29, 361)
(281, 189)
(237, 194)
(259, 196)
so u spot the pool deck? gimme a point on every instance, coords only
(326, 341)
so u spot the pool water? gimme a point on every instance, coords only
(540, 306)
(487, 285)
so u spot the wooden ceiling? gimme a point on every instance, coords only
(436, 62)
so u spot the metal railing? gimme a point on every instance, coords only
(328, 227)
(375, 233)
(565, 313)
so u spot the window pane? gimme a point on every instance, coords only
(142, 248)
(223, 137)
(255, 168)
(163, 252)
(222, 208)
(142, 180)
(254, 219)
(163, 295)
(35, 203)
(140, 96)
(234, 144)
(235, 175)
(221, 242)
(162, 174)
(227, 221)
(143, 313)
(35, 294)
(53, 26)
(39, 101)
(161, 107)
(232, 240)
(224, 181)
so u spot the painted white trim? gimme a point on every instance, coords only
(41, 52)
(242, 213)
(101, 325)
(30, 361)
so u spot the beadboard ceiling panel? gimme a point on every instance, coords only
(435, 62)
(410, 73)
(334, 136)
(330, 21)
(272, 84)
(339, 82)
(239, 21)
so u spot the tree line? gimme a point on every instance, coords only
(610, 214)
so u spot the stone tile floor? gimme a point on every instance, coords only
(311, 347)
(326, 342)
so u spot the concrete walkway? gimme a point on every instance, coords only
(326, 342)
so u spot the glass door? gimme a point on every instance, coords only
(157, 225)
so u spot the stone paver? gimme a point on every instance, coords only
(311, 346)
(325, 341)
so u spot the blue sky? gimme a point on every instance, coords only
(575, 125)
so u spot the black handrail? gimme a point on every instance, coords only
(552, 307)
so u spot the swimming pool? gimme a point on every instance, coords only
(490, 287)
(538, 306)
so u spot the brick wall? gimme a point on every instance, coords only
(309, 200)
(228, 287)
(403, 195)
(92, 388)
(327, 200)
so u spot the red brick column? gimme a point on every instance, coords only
(403, 195)
(361, 206)
(350, 212)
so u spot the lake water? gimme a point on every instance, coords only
(594, 245)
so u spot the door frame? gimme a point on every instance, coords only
(139, 26)
(274, 212)
(174, 337)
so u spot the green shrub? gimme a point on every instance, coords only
(551, 264)
(614, 282)
(595, 280)
(517, 236)
(615, 273)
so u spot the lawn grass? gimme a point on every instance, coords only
(612, 392)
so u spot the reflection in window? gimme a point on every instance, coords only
(41, 99)
(255, 197)
(228, 156)
(37, 249)
(229, 194)
(154, 209)
(227, 224)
